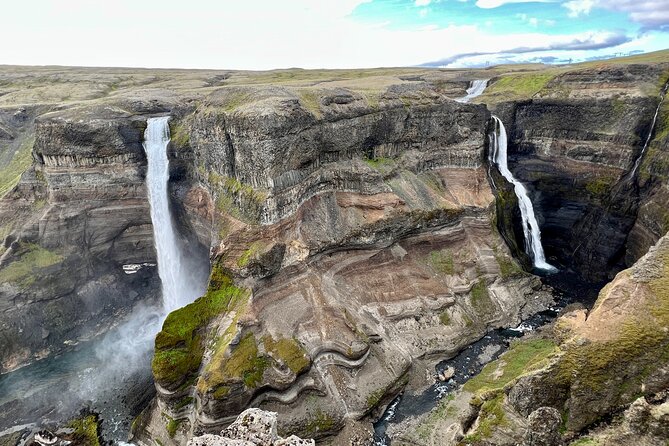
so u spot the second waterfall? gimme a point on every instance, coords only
(531, 229)
(179, 285)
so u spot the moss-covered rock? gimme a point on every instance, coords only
(179, 346)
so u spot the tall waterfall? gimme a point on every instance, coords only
(637, 163)
(530, 226)
(475, 89)
(178, 283)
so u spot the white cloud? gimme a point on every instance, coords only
(489, 4)
(579, 7)
(423, 2)
(423, 12)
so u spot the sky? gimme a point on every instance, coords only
(268, 34)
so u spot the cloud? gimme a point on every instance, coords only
(590, 41)
(490, 4)
(579, 7)
(650, 14)
(423, 2)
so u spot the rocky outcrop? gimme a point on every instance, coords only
(590, 368)
(252, 427)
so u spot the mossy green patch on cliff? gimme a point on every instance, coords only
(243, 364)
(520, 85)
(86, 431)
(310, 100)
(319, 422)
(171, 426)
(442, 261)
(11, 173)
(29, 259)
(480, 296)
(443, 410)
(381, 164)
(601, 186)
(179, 135)
(507, 265)
(249, 254)
(491, 415)
(236, 199)
(288, 351)
(523, 357)
(178, 345)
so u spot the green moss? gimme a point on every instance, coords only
(600, 186)
(520, 85)
(289, 352)
(375, 397)
(445, 318)
(320, 422)
(491, 416)
(11, 173)
(480, 295)
(86, 430)
(244, 364)
(507, 266)
(171, 426)
(442, 262)
(249, 253)
(443, 410)
(521, 358)
(221, 392)
(185, 401)
(381, 163)
(311, 101)
(237, 199)
(178, 345)
(179, 135)
(29, 259)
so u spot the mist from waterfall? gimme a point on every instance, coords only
(179, 284)
(531, 229)
(476, 89)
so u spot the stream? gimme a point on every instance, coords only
(568, 288)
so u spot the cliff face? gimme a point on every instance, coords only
(574, 142)
(376, 249)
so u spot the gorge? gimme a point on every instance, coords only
(351, 231)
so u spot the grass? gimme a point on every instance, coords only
(310, 100)
(445, 318)
(24, 270)
(491, 416)
(520, 85)
(244, 364)
(237, 199)
(86, 431)
(178, 345)
(381, 163)
(289, 352)
(480, 295)
(185, 401)
(442, 262)
(20, 162)
(521, 358)
(179, 135)
(250, 253)
(507, 266)
(442, 411)
(600, 186)
(171, 426)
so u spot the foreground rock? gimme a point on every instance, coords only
(253, 427)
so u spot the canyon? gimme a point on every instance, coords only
(352, 233)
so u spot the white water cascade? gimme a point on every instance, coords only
(531, 230)
(475, 89)
(179, 286)
(637, 163)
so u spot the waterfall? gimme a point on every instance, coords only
(179, 285)
(530, 226)
(475, 89)
(637, 163)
